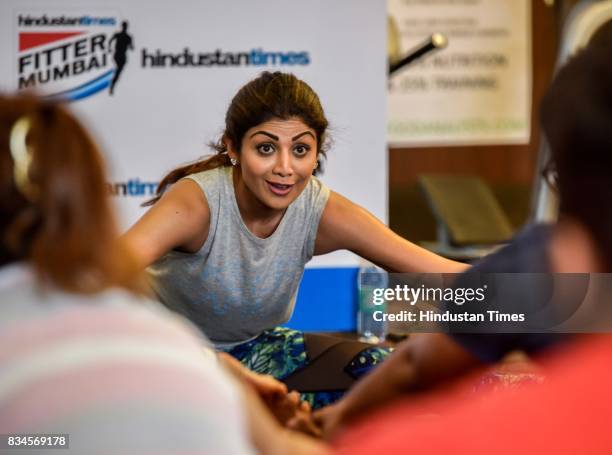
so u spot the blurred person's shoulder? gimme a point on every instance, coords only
(527, 252)
(25, 300)
(112, 362)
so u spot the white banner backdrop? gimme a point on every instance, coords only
(475, 91)
(182, 61)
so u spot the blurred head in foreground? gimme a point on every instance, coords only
(54, 208)
(577, 120)
(561, 415)
(81, 351)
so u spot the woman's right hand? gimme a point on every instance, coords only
(323, 423)
(284, 405)
(329, 419)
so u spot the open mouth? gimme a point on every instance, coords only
(279, 189)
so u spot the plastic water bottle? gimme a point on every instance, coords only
(370, 278)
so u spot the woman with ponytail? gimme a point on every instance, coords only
(82, 352)
(227, 239)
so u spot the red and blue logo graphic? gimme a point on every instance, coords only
(71, 57)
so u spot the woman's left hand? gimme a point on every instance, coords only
(282, 404)
(304, 422)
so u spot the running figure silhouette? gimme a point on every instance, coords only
(123, 43)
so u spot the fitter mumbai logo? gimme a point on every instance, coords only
(70, 56)
(74, 56)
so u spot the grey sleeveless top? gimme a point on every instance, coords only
(237, 284)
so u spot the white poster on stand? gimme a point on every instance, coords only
(477, 90)
(174, 66)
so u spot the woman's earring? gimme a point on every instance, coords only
(234, 161)
(315, 166)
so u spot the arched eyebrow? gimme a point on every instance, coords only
(295, 138)
(265, 133)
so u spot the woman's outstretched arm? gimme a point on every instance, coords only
(345, 225)
(179, 220)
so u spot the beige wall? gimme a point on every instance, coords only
(508, 169)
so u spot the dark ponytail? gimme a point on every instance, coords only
(219, 160)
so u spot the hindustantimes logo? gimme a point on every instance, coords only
(190, 58)
(75, 55)
(134, 187)
(71, 56)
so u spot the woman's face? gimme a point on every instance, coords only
(277, 160)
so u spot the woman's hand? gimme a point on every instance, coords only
(272, 439)
(282, 404)
(329, 420)
(305, 421)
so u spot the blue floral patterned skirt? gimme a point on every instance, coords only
(280, 352)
